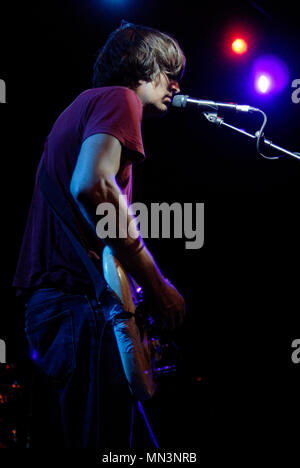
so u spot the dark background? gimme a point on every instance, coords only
(236, 386)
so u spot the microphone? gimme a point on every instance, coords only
(185, 101)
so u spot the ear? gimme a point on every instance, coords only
(140, 84)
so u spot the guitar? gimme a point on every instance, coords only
(139, 346)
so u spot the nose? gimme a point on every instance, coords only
(174, 86)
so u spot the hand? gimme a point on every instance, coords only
(166, 305)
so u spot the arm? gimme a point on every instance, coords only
(93, 182)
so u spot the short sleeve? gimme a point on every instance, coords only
(118, 112)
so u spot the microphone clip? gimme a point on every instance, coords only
(213, 118)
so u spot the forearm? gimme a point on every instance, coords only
(127, 243)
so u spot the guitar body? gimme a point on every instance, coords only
(134, 349)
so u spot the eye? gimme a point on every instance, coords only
(172, 76)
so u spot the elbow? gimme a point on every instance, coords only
(97, 192)
(78, 191)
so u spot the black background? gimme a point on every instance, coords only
(241, 287)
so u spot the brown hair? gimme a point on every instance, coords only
(133, 52)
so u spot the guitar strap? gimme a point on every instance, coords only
(58, 202)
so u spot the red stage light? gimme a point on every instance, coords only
(239, 46)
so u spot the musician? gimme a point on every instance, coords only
(89, 153)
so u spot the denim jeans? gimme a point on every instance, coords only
(74, 349)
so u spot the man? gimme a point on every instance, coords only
(89, 154)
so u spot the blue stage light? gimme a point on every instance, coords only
(263, 83)
(270, 74)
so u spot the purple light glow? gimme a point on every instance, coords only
(270, 74)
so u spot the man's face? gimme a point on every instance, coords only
(157, 95)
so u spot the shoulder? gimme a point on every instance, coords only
(108, 99)
(111, 92)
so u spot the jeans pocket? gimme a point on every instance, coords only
(52, 345)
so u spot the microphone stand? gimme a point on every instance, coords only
(215, 119)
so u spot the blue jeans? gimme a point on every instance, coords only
(74, 349)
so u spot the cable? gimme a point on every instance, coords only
(259, 134)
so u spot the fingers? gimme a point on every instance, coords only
(167, 307)
(172, 317)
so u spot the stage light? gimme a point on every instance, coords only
(263, 83)
(239, 46)
(270, 74)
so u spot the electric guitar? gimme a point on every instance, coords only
(139, 345)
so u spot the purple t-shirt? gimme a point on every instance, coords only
(47, 257)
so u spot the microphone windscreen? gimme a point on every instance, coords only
(179, 100)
